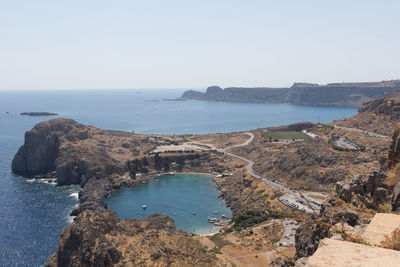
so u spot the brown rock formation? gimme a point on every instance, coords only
(101, 239)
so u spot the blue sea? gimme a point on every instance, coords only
(32, 214)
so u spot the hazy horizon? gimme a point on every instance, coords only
(49, 45)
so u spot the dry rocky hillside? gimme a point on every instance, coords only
(313, 164)
(376, 115)
(101, 239)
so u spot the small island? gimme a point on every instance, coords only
(38, 114)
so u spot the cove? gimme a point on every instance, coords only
(189, 199)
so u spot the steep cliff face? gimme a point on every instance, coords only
(352, 94)
(101, 239)
(54, 146)
(238, 94)
(337, 94)
(38, 154)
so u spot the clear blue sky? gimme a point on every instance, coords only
(81, 44)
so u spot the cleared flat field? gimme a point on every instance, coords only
(285, 135)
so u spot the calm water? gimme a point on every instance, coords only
(178, 196)
(33, 214)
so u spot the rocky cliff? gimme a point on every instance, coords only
(58, 146)
(335, 94)
(101, 239)
(77, 154)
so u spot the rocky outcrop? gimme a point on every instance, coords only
(41, 153)
(308, 237)
(341, 93)
(371, 191)
(376, 116)
(349, 216)
(68, 150)
(395, 200)
(394, 152)
(101, 239)
(56, 145)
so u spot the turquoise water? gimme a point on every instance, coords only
(178, 196)
(32, 214)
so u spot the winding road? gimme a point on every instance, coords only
(362, 131)
(291, 198)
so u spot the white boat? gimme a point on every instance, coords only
(224, 216)
(144, 207)
(215, 212)
(212, 220)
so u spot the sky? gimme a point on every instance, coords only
(104, 44)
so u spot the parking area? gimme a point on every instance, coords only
(288, 238)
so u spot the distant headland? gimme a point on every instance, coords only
(334, 94)
(38, 114)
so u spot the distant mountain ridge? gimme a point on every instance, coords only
(334, 94)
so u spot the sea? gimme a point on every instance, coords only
(33, 213)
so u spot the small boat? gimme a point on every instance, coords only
(144, 207)
(224, 216)
(212, 220)
(193, 213)
(215, 212)
(157, 180)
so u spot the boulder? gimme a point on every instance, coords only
(395, 200)
(380, 195)
(375, 180)
(351, 217)
(357, 185)
(343, 191)
(307, 238)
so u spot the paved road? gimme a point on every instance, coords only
(362, 131)
(291, 198)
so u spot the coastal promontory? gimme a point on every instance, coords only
(334, 94)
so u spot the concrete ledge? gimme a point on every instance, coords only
(333, 253)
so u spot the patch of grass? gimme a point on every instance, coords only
(284, 135)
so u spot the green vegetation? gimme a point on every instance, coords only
(275, 136)
(335, 147)
(252, 217)
(277, 194)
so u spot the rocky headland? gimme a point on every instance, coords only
(335, 94)
(101, 239)
(38, 114)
